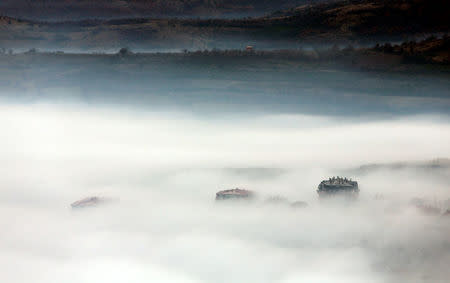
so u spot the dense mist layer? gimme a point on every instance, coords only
(328, 83)
(160, 171)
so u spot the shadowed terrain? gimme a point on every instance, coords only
(82, 9)
(339, 22)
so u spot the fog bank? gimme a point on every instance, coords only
(161, 170)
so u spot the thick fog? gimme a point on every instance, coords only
(159, 172)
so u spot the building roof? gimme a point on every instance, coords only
(338, 181)
(89, 201)
(239, 192)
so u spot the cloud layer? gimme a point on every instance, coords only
(161, 171)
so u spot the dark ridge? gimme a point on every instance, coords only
(61, 10)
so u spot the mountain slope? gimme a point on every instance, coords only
(369, 17)
(341, 21)
(83, 9)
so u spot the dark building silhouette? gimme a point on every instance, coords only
(338, 186)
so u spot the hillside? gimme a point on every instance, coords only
(334, 22)
(430, 50)
(368, 17)
(84, 9)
